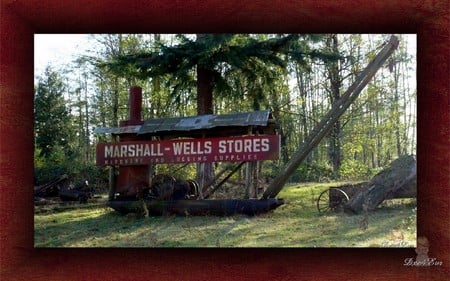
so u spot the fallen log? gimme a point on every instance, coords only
(206, 207)
(396, 181)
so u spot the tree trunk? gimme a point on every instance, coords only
(397, 181)
(204, 91)
(205, 171)
(334, 152)
(115, 103)
(87, 143)
(304, 113)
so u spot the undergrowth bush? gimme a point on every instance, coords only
(354, 170)
(314, 172)
(77, 173)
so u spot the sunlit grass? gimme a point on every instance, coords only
(295, 224)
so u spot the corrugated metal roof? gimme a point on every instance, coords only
(254, 118)
(121, 130)
(192, 123)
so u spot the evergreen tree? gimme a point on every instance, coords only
(52, 125)
(214, 58)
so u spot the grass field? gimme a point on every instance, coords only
(295, 224)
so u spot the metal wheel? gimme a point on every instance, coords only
(331, 199)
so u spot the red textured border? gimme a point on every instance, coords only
(19, 20)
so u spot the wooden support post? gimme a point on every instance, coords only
(249, 174)
(201, 179)
(112, 177)
(255, 177)
(151, 171)
(112, 183)
(257, 165)
(249, 169)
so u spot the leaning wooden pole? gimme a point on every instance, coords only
(337, 109)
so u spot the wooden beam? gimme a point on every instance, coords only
(215, 188)
(112, 182)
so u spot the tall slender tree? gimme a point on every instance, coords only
(335, 82)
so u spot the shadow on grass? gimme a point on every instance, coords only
(295, 224)
(344, 230)
(111, 229)
(61, 232)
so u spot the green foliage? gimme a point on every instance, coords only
(52, 120)
(354, 170)
(252, 61)
(77, 172)
(96, 176)
(52, 166)
(313, 172)
(410, 222)
(54, 133)
(180, 171)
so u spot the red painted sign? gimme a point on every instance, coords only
(232, 149)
